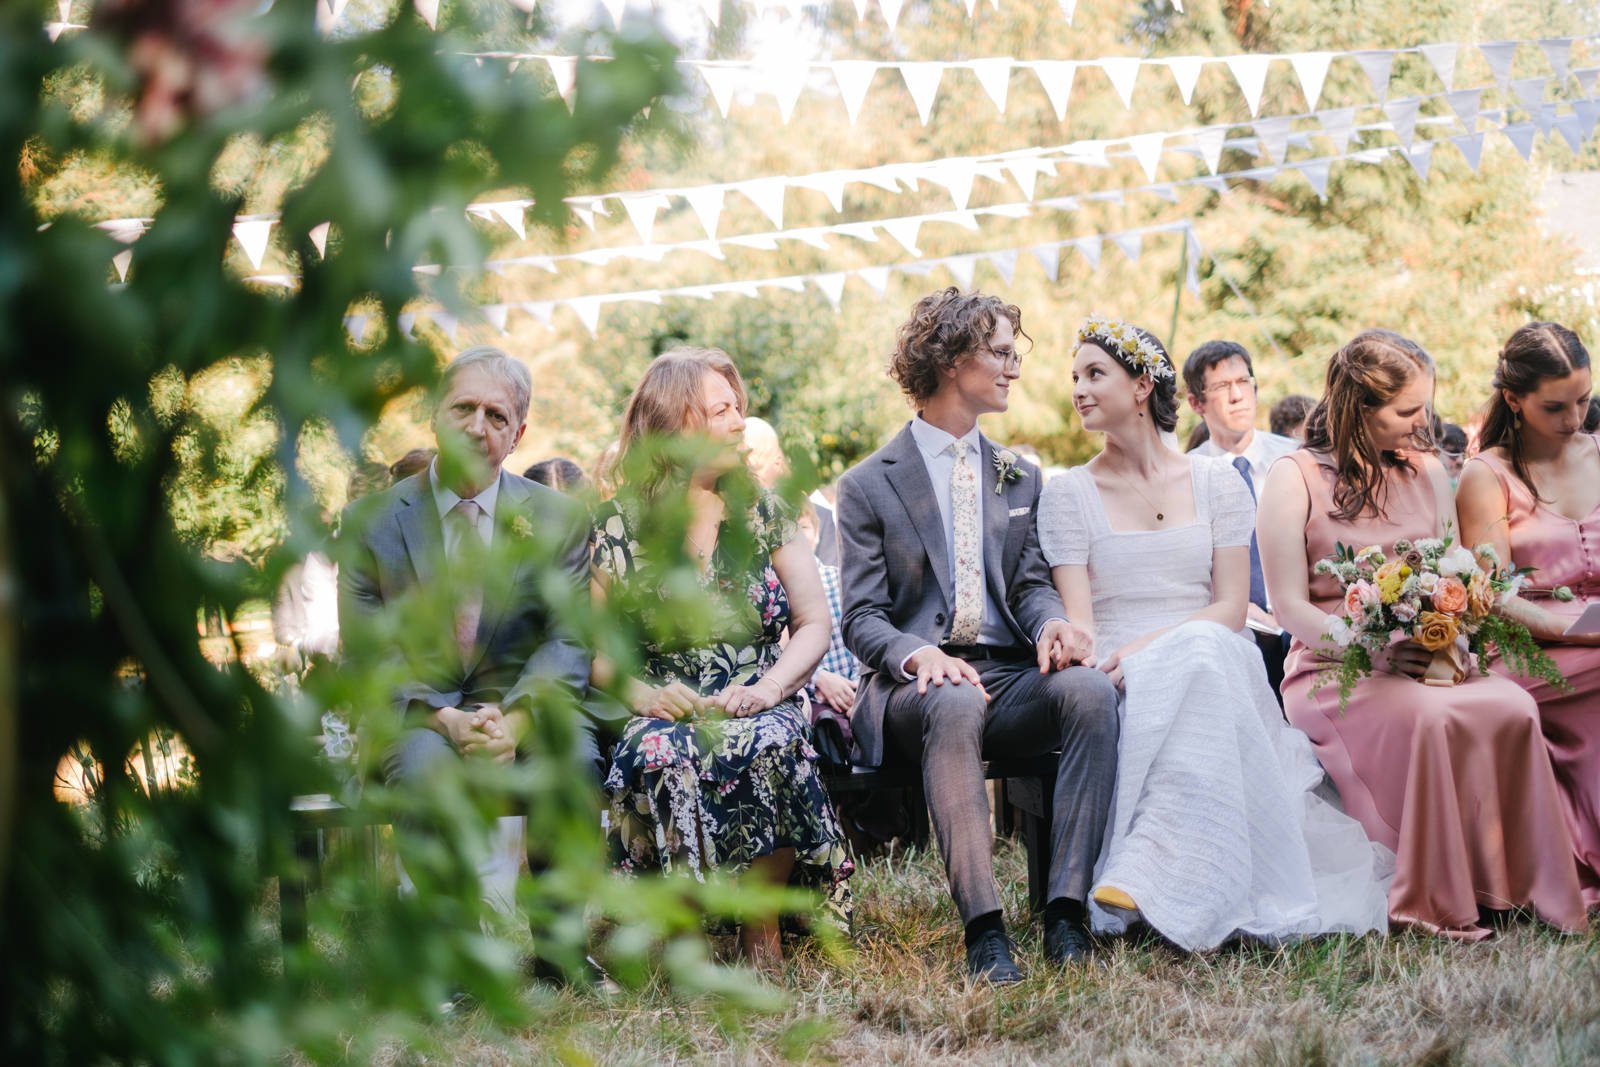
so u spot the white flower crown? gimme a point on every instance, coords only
(1123, 342)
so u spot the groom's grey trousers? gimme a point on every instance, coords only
(950, 731)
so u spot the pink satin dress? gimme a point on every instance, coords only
(1566, 552)
(1456, 780)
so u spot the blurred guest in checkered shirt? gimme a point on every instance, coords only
(834, 682)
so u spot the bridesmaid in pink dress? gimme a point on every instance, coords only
(1534, 493)
(1455, 780)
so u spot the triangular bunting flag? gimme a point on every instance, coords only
(407, 322)
(1442, 57)
(1090, 247)
(64, 10)
(766, 194)
(319, 238)
(1164, 190)
(1339, 124)
(587, 308)
(1274, 135)
(1464, 102)
(252, 237)
(1027, 171)
(1210, 141)
(723, 83)
(1377, 65)
(1067, 8)
(642, 213)
(785, 80)
(831, 285)
(922, 79)
(961, 268)
(905, 232)
(511, 215)
(1586, 79)
(1545, 118)
(495, 315)
(1520, 134)
(1146, 149)
(995, 77)
(1251, 74)
(564, 71)
(1312, 70)
(1402, 115)
(54, 30)
(1499, 55)
(1558, 51)
(875, 277)
(955, 175)
(1530, 91)
(1420, 156)
(448, 324)
(891, 11)
(853, 77)
(1185, 71)
(1055, 77)
(120, 261)
(1049, 257)
(1123, 72)
(1131, 243)
(617, 8)
(859, 5)
(1571, 130)
(1471, 146)
(706, 203)
(1588, 112)
(1005, 262)
(543, 310)
(429, 10)
(830, 184)
(1315, 172)
(356, 327)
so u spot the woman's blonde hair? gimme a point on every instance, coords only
(667, 401)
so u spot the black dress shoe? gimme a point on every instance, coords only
(589, 976)
(1067, 942)
(989, 959)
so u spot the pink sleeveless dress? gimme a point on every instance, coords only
(1456, 780)
(1565, 552)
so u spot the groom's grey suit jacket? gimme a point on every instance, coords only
(895, 578)
(392, 547)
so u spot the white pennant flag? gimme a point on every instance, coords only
(1312, 70)
(891, 11)
(1402, 115)
(564, 71)
(511, 215)
(995, 77)
(1586, 79)
(1571, 130)
(955, 175)
(1377, 64)
(1558, 51)
(617, 8)
(1215, 184)
(1420, 156)
(971, 6)
(859, 5)
(922, 79)
(1499, 55)
(429, 10)
(448, 324)
(706, 203)
(319, 238)
(120, 261)
(54, 30)
(1146, 148)
(1123, 71)
(642, 213)
(1185, 71)
(1520, 134)
(356, 327)
(853, 76)
(1315, 172)
(1131, 243)
(1588, 113)
(1164, 190)
(252, 237)
(1067, 8)
(723, 83)
(495, 315)
(1464, 102)
(875, 277)
(785, 80)
(1251, 73)
(831, 285)
(587, 308)
(1274, 136)
(905, 232)
(1531, 92)
(1055, 77)
(1005, 262)
(766, 194)
(407, 322)
(1025, 172)
(64, 10)
(1339, 124)
(713, 10)
(830, 184)
(543, 310)
(1442, 57)
(1210, 141)
(1049, 257)
(1471, 146)
(961, 268)
(1090, 247)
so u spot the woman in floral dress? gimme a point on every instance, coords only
(715, 769)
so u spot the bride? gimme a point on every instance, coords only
(1219, 828)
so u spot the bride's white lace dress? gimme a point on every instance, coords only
(1221, 824)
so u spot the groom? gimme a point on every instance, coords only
(965, 645)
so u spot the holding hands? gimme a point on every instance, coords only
(676, 700)
(1061, 644)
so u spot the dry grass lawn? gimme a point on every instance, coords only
(1527, 997)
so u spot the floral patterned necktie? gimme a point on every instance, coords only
(468, 586)
(968, 575)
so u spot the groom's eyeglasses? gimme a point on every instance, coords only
(1010, 359)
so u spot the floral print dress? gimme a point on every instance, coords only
(720, 792)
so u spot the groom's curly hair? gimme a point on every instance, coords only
(945, 328)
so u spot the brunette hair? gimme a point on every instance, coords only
(1533, 354)
(1364, 375)
(945, 328)
(666, 402)
(1209, 355)
(1163, 400)
(1287, 414)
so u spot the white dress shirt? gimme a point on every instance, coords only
(1262, 452)
(446, 500)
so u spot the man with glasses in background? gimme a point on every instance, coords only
(1222, 389)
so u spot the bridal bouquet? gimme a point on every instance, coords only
(1434, 592)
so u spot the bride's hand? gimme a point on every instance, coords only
(1112, 665)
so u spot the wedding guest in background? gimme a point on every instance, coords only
(1452, 441)
(714, 771)
(413, 462)
(1533, 492)
(1288, 416)
(965, 647)
(604, 470)
(1456, 780)
(1197, 436)
(764, 453)
(1591, 421)
(559, 473)
(834, 681)
(1217, 829)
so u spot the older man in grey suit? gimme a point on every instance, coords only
(949, 606)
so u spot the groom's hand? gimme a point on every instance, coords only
(1061, 644)
(931, 665)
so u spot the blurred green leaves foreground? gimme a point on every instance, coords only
(140, 926)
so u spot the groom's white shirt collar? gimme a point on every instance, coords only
(933, 441)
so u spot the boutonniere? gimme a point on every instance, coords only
(521, 527)
(1006, 470)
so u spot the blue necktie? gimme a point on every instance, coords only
(1258, 584)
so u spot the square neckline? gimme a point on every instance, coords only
(1105, 518)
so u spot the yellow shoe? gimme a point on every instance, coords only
(1112, 897)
